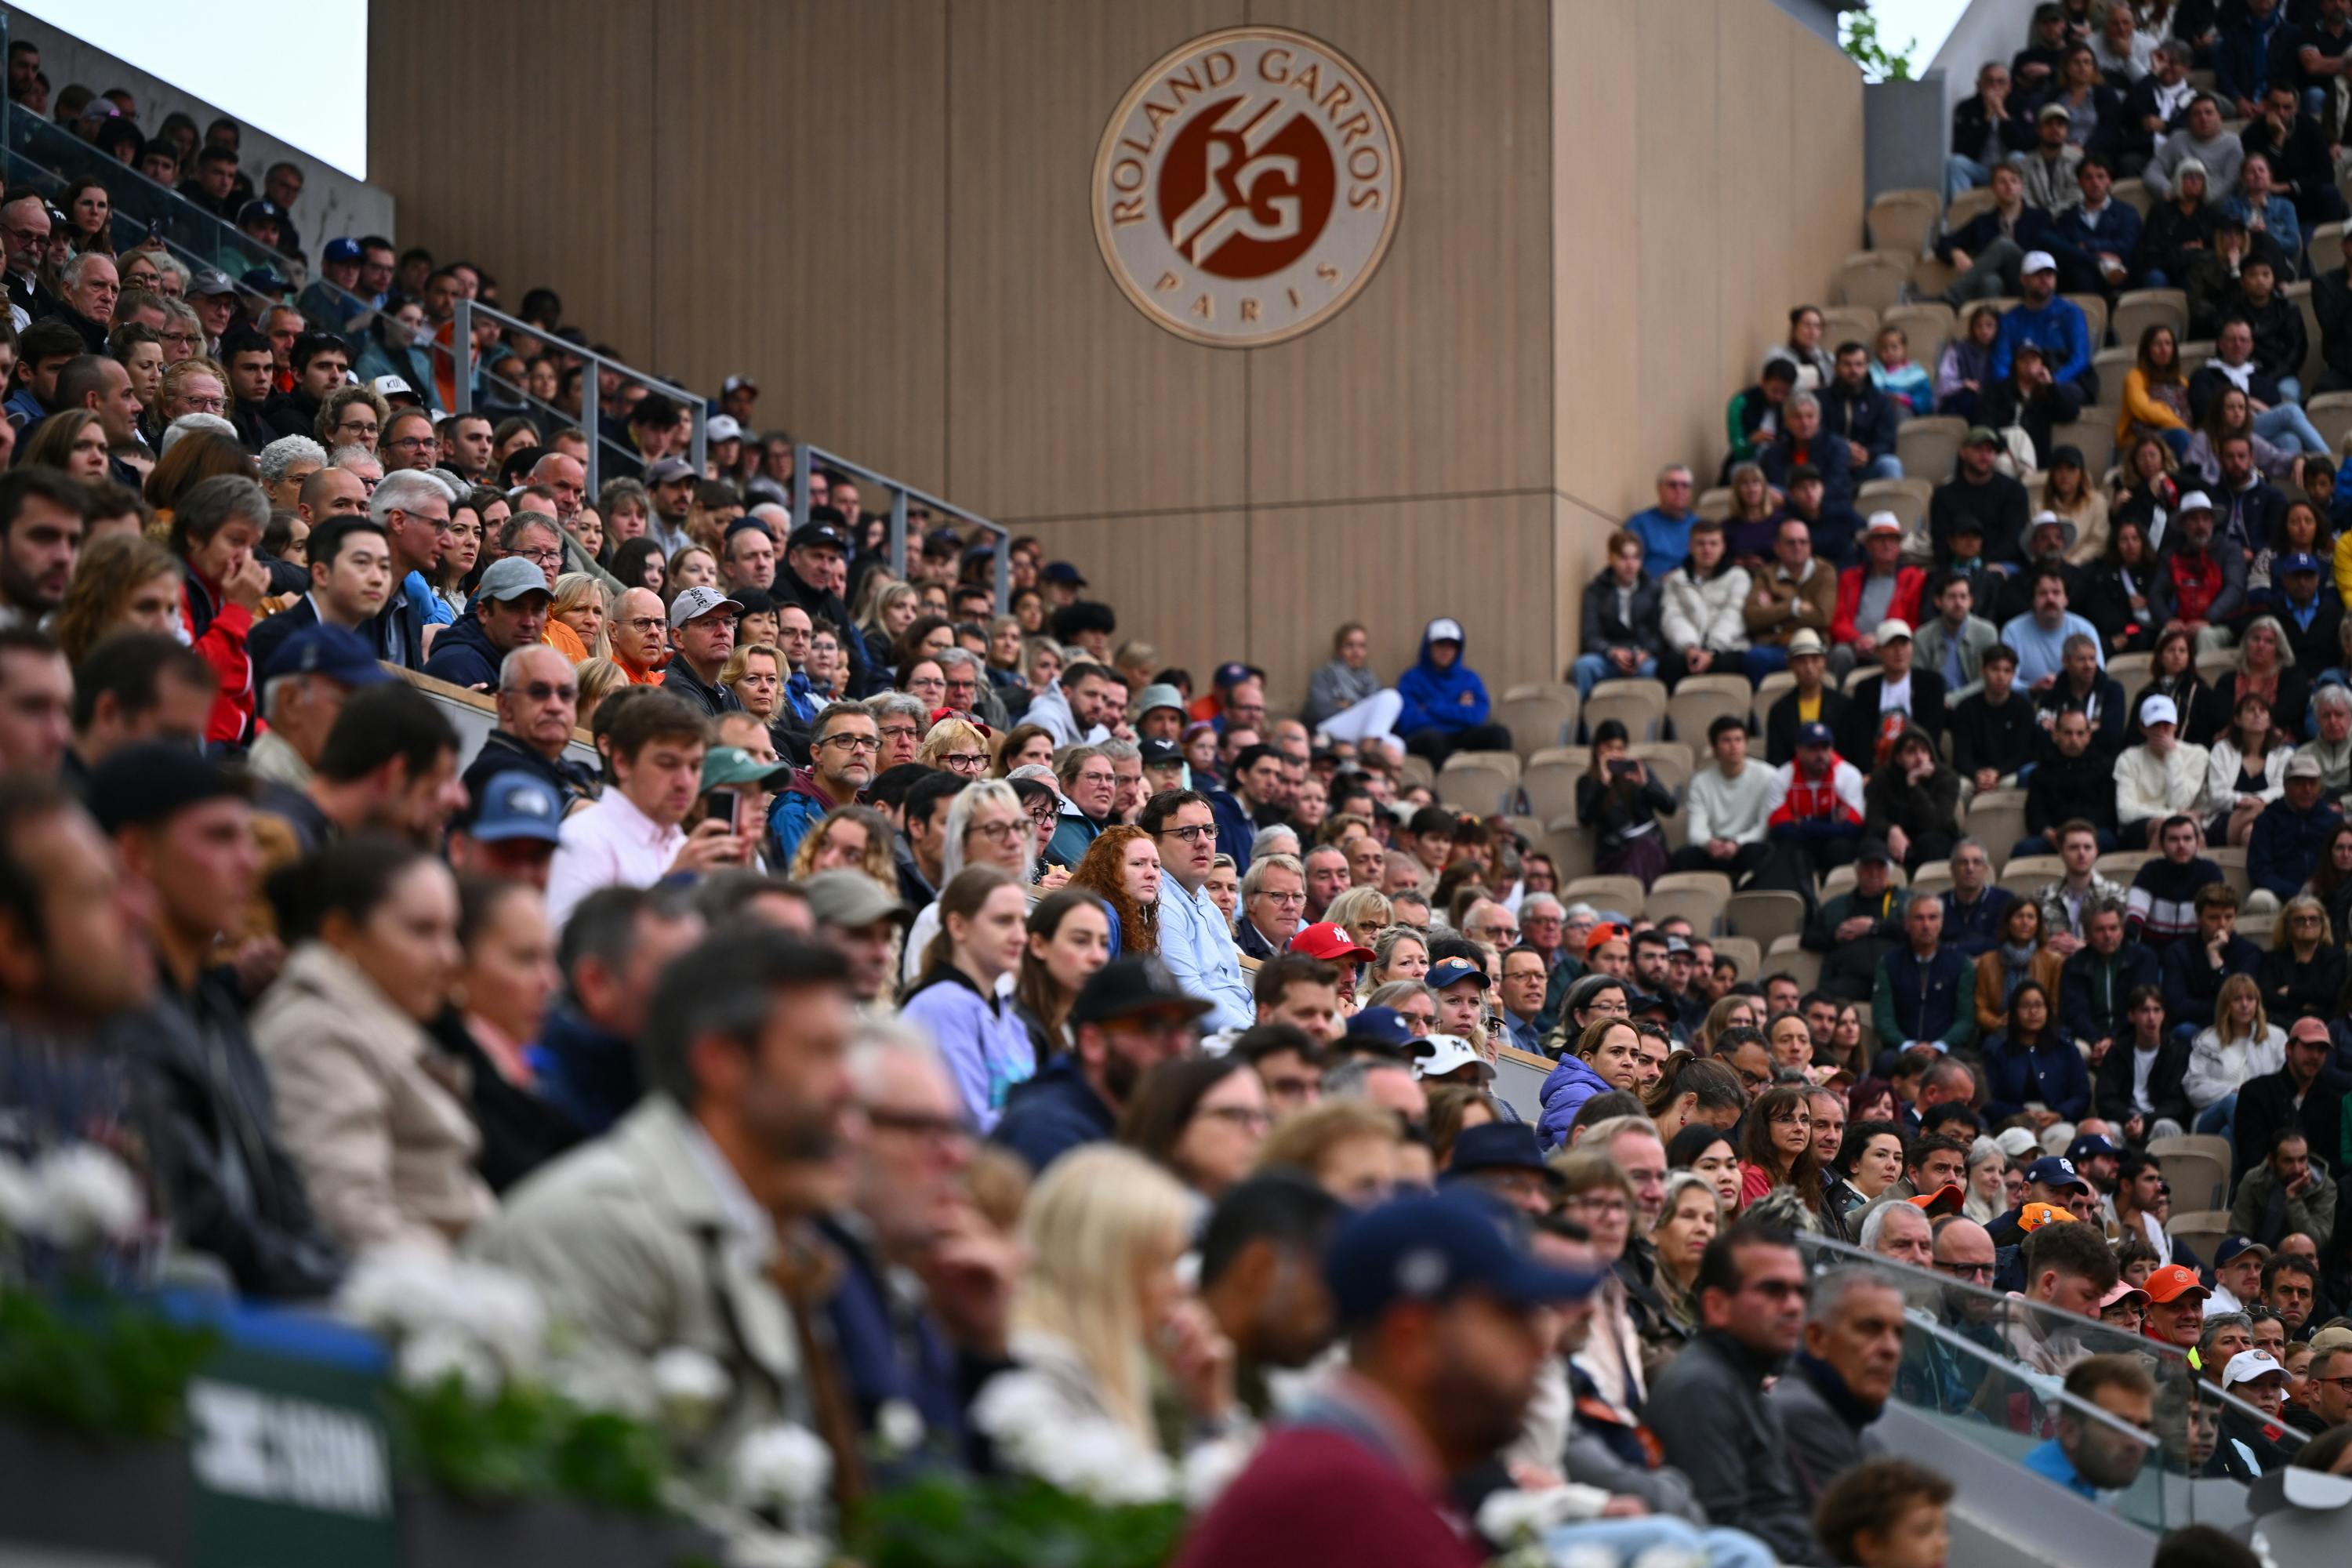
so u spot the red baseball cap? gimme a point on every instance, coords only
(2171, 1282)
(1946, 1199)
(1607, 932)
(1327, 941)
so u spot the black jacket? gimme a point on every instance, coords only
(2300, 167)
(2122, 628)
(294, 413)
(2047, 408)
(2292, 990)
(2064, 788)
(708, 695)
(2191, 982)
(1708, 1412)
(1972, 124)
(2111, 1082)
(2170, 238)
(1780, 725)
(865, 677)
(1605, 629)
(2266, 1105)
(2003, 738)
(521, 1129)
(1857, 738)
(2317, 646)
(2104, 705)
(232, 1188)
(1999, 505)
(463, 654)
(1866, 417)
(502, 754)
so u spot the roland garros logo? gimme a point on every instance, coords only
(1247, 187)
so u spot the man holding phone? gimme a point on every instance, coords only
(634, 834)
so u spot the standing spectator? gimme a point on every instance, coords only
(1622, 620)
(2292, 832)
(1729, 804)
(1701, 613)
(1445, 703)
(1665, 529)
(1708, 1408)
(1855, 409)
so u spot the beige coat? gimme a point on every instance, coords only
(372, 1111)
(635, 1249)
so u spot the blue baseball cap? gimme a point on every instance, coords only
(2237, 1246)
(1064, 573)
(2054, 1172)
(518, 806)
(265, 281)
(2090, 1146)
(1814, 734)
(1451, 971)
(2301, 560)
(331, 651)
(1382, 1027)
(344, 249)
(1438, 1248)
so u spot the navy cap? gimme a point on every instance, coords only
(1874, 850)
(331, 651)
(1233, 673)
(260, 207)
(518, 806)
(1814, 734)
(1451, 971)
(1063, 571)
(942, 542)
(1498, 1146)
(2091, 1145)
(1437, 1249)
(343, 250)
(1159, 753)
(2298, 562)
(154, 781)
(1642, 1002)
(2054, 1172)
(1382, 1027)
(817, 536)
(2236, 1247)
(265, 281)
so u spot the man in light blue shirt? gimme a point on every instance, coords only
(1194, 943)
(1665, 529)
(2089, 1456)
(2040, 636)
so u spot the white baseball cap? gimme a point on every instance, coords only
(1445, 630)
(1447, 1053)
(1884, 522)
(2248, 1365)
(2158, 710)
(1888, 630)
(2196, 501)
(722, 428)
(2038, 261)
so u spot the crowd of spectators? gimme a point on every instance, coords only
(1022, 1032)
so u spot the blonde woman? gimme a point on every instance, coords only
(1692, 1214)
(692, 566)
(956, 746)
(1363, 913)
(2240, 1043)
(599, 678)
(1400, 952)
(123, 582)
(1352, 1148)
(579, 604)
(884, 608)
(1101, 1301)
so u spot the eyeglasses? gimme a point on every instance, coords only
(1614, 1007)
(1601, 1204)
(542, 557)
(995, 832)
(852, 742)
(1042, 815)
(965, 761)
(897, 731)
(541, 691)
(1965, 1270)
(644, 624)
(936, 1129)
(1201, 833)
(416, 444)
(203, 404)
(368, 428)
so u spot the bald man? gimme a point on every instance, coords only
(640, 636)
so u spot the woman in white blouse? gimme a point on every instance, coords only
(2246, 772)
(2240, 1043)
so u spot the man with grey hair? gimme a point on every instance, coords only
(1842, 1377)
(1801, 443)
(1489, 923)
(25, 237)
(1895, 1227)
(187, 425)
(1387, 1083)
(1273, 838)
(969, 687)
(539, 704)
(2331, 705)
(287, 462)
(1327, 873)
(87, 286)
(1273, 895)
(413, 509)
(1665, 529)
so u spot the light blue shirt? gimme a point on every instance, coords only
(2050, 1462)
(1200, 954)
(2040, 653)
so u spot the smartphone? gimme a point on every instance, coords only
(722, 805)
(1621, 769)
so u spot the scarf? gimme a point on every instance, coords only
(2016, 968)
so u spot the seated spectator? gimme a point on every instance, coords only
(1622, 630)
(1815, 823)
(1965, 368)
(2285, 1192)
(1345, 700)
(2083, 688)
(1729, 804)
(1907, 383)
(1994, 732)
(1840, 1378)
(2051, 164)
(2162, 909)
(633, 836)
(1803, 442)
(1976, 908)
(2215, 153)
(2303, 973)
(1794, 596)
(1953, 641)
(2032, 1060)
(843, 742)
(2104, 232)
(1665, 529)
(2278, 426)
(2294, 144)
(1832, 527)
(2141, 1084)
(2015, 958)
(2099, 978)
(1604, 1054)
(2264, 667)
(1980, 491)
(1853, 930)
(1445, 703)
(1274, 897)
(2080, 507)
(1754, 417)
(2026, 395)
(1620, 802)
(1874, 1514)
(2195, 967)
(510, 607)
(1987, 251)
(981, 937)
(2246, 772)
(2240, 1044)
(1701, 613)
(1921, 992)
(2312, 622)
(1853, 409)
(2159, 780)
(1898, 698)
(1913, 802)
(1986, 129)
(2050, 33)
(2056, 326)
(1880, 588)
(2292, 833)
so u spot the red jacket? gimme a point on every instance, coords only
(1909, 581)
(217, 631)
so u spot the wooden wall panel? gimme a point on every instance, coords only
(1434, 380)
(1679, 246)
(1755, 122)
(1154, 571)
(829, 284)
(1487, 562)
(1062, 400)
(516, 134)
(1596, 337)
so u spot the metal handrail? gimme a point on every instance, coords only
(807, 457)
(461, 333)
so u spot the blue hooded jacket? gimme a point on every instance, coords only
(1564, 1093)
(1450, 699)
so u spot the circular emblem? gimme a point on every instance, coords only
(1246, 186)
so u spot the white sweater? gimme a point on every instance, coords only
(1706, 614)
(1736, 809)
(2149, 786)
(2222, 772)
(2216, 1069)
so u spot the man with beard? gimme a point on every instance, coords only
(42, 516)
(1262, 1278)
(1129, 1016)
(2088, 1456)
(688, 1224)
(1444, 1315)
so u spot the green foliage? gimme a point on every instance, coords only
(1858, 36)
(527, 1442)
(112, 1369)
(953, 1521)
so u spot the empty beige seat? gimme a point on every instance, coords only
(1623, 894)
(1929, 446)
(2326, 243)
(1476, 782)
(1697, 896)
(1743, 950)
(1907, 498)
(1844, 323)
(1714, 504)
(1875, 277)
(1701, 699)
(2028, 874)
(1903, 220)
(1536, 718)
(1570, 845)
(1764, 915)
(1639, 705)
(1548, 782)
(2134, 194)
(1788, 956)
(2140, 309)
(2331, 416)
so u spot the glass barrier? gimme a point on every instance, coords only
(1990, 1370)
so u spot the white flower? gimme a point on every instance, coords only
(900, 1426)
(1585, 1555)
(397, 1290)
(1665, 1556)
(690, 1385)
(19, 1196)
(1210, 1468)
(404, 1290)
(784, 1464)
(83, 1196)
(1034, 1431)
(430, 1359)
(504, 1312)
(771, 1548)
(1513, 1515)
